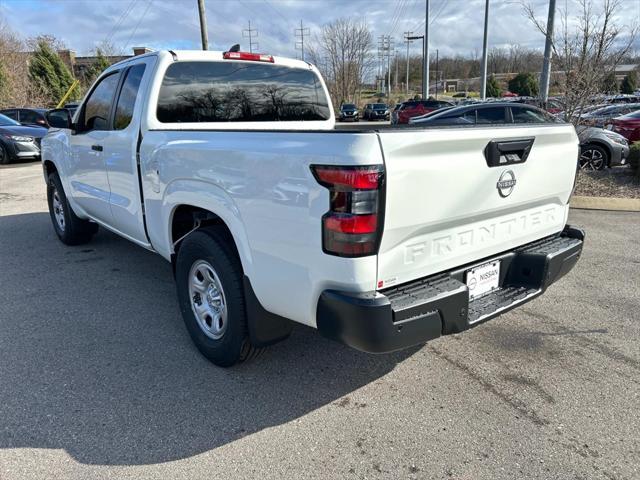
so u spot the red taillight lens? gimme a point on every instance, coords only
(347, 223)
(352, 226)
(365, 178)
(254, 57)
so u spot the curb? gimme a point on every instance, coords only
(606, 203)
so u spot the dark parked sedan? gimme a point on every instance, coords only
(19, 142)
(27, 116)
(494, 113)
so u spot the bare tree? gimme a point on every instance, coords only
(343, 53)
(586, 49)
(15, 88)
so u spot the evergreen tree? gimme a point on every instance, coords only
(99, 65)
(524, 84)
(47, 70)
(610, 84)
(630, 83)
(493, 87)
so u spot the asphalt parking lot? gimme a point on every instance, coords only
(98, 378)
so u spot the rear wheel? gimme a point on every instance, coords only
(211, 297)
(70, 229)
(593, 157)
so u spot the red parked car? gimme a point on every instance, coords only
(416, 108)
(628, 126)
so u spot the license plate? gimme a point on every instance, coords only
(483, 278)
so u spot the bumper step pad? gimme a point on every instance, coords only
(418, 311)
(497, 301)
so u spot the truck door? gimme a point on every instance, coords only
(120, 151)
(87, 172)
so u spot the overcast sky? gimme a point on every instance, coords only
(456, 25)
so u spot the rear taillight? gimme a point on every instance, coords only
(253, 57)
(353, 225)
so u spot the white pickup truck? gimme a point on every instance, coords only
(229, 165)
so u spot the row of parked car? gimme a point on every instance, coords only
(21, 130)
(600, 147)
(605, 129)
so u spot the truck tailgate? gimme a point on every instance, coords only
(455, 196)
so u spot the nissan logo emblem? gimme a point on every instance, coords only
(506, 182)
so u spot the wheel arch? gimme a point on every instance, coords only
(49, 167)
(187, 217)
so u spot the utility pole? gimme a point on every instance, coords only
(389, 49)
(396, 60)
(407, 39)
(301, 33)
(203, 26)
(250, 33)
(385, 45)
(483, 79)
(546, 66)
(425, 56)
(381, 47)
(437, 72)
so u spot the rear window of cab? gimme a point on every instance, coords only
(226, 91)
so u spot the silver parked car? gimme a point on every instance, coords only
(601, 148)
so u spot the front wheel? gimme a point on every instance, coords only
(211, 297)
(593, 157)
(70, 229)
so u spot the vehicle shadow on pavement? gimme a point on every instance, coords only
(96, 360)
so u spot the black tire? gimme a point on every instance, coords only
(211, 247)
(73, 230)
(4, 155)
(593, 157)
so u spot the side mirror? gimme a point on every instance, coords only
(59, 118)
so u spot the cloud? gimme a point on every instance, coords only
(456, 26)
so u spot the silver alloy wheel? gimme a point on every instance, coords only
(58, 209)
(208, 302)
(591, 159)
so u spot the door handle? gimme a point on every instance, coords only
(97, 148)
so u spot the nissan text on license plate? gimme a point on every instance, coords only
(483, 278)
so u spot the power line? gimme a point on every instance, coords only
(123, 15)
(435, 17)
(301, 33)
(249, 33)
(137, 25)
(398, 13)
(268, 4)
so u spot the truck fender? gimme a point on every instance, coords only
(210, 197)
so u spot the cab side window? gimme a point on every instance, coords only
(127, 100)
(98, 106)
